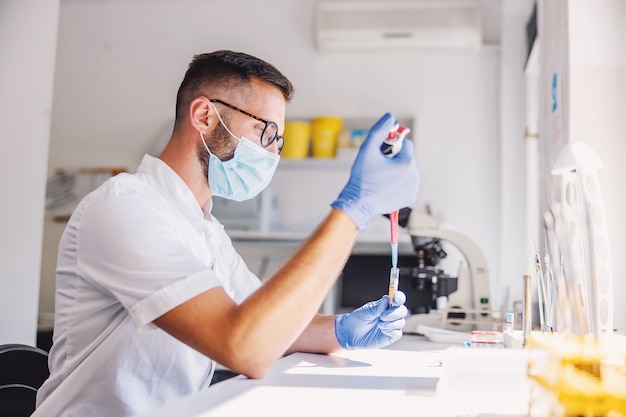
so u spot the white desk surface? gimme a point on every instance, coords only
(399, 380)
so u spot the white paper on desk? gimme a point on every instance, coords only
(305, 401)
(484, 381)
(347, 383)
(396, 363)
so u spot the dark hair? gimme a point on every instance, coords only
(226, 69)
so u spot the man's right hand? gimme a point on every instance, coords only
(378, 184)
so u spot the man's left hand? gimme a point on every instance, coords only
(374, 325)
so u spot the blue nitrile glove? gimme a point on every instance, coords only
(372, 326)
(378, 184)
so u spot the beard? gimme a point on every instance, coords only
(220, 143)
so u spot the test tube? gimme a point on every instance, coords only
(394, 278)
(510, 322)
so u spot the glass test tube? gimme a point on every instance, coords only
(394, 278)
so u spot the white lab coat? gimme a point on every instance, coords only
(133, 249)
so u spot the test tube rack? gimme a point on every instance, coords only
(577, 375)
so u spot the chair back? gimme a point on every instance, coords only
(23, 369)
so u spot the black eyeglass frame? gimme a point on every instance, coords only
(280, 140)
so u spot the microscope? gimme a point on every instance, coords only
(435, 298)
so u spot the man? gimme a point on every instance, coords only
(150, 291)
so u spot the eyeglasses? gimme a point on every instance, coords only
(270, 131)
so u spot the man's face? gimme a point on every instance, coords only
(260, 100)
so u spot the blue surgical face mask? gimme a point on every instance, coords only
(246, 174)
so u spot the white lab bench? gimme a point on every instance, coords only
(398, 380)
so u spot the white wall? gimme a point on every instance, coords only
(27, 44)
(597, 107)
(513, 229)
(582, 40)
(120, 63)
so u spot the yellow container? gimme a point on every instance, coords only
(325, 132)
(297, 139)
(577, 375)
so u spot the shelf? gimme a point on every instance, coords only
(346, 155)
(298, 236)
(344, 159)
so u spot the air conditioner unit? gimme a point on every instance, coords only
(393, 25)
